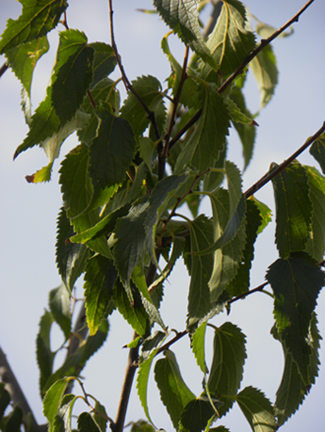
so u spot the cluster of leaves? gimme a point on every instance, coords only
(120, 213)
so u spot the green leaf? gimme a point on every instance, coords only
(198, 346)
(293, 209)
(23, 58)
(316, 242)
(265, 71)
(70, 258)
(14, 420)
(257, 409)
(318, 151)
(240, 284)
(37, 19)
(86, 423)
(296, 282)
(208, 140)
(144, 370)
(73, 73)
(4, 399)
(230, 42)
(100, 277)
(62, 421)
(149, 90)
(292, 390)
(183, 18)
(52, 400)
(104, 61)
(59, 303)
(201, 235)
(111, 152)
(44, 355)
(99, 420)
(226, 370)
(174, 393)
(265, 213)
(134, 313)
(130, 240)
(198, 413)
(142, 426)
(159, 201)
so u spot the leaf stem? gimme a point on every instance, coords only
(262, 45)
(273, 172)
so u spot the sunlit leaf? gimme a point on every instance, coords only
(174, 393)
(198, 346)
(52, 400)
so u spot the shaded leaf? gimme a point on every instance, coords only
(99, 420)
(293, 209)
(104, 61)
(318, 151)
(86, 423)
(198, 412)
(14, 420)
(208, 140)
(37, 19)
(44, 355)
(226, 370)
(257, 409)
(148, 88)
(183, 18)
(174, 393)
(265, 71)
(4, 399)
(59, 303)
(100, 276)
(142, 426)
(296, 283)
(292, 390)
(201, 232)
(70, 258)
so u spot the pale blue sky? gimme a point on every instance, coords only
(29, 211)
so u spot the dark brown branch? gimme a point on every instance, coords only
(150, 114)
(17, 395)
(262, 45)
(3, 69)
(273, 172)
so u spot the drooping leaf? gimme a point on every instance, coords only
(198, 413)
(14, 421)
(292, 390)
(257, 409)
(265, 214)
(240, 284)
(148, 88)
(174, 393)
(100, 276)
(4, 399)
(23, 58)
(201, 235)
(318, 151)
(158, 202)
(296, 282)
(198, 346)
(265, 71)
(208, 140)
(104, 61)
(70, 258)
(62, 421)
(230, 42)
(316, 242)
(86, 423)
(37, 19)
(134, 313)
(144, 371)
(227, 364)
(293, 209)
(183, 18)
(100, 420)
(52, 400)
(44, 354)
(59, 303)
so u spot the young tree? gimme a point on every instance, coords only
(132, 190)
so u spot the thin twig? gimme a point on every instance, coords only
(3, 69)
(262, 45)
(273, 172)
(150, 114)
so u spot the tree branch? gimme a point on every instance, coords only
(273, 172)
(3, 69)
(17, 395)
(263, 44)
